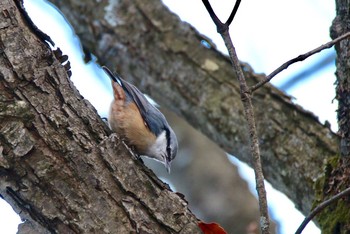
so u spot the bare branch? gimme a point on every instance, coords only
(298, 59)
(254, 143)
(233, 13)
(221, 27)
(249, 114)
(320, 207)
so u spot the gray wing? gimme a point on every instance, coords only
(154, 119)
(136, 95)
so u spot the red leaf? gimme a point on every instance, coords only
(211, 228)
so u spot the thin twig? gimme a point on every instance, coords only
(212, 14)
(223, 29)
(254, 147)
(233, 13)
(320, 207)
(298, 59)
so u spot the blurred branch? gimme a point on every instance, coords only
(323, 63)
(246, 99)
(298, 59)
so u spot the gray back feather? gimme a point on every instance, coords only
(154, 119)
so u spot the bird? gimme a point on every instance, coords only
(139, 123)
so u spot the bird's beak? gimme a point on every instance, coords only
(167, 165)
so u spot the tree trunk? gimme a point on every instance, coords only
(152, 48)
(336, 217)
(59, 166)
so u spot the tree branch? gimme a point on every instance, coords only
(212, 14)
(254, 143)
(298, 59)
(233, 13)
(249, 115)
(221, 27)
(320, 207)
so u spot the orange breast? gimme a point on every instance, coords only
(125, 119)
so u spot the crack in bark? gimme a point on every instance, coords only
(36, 215)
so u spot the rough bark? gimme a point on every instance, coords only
(336, 217)
(340, 26)
(59, 166)
(152, 48)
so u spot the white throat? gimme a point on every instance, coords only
(158, 149)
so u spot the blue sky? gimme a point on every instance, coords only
(265, 33)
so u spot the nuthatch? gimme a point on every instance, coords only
(139, 123)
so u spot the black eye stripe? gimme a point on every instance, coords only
(167, 135)
(168, 150)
